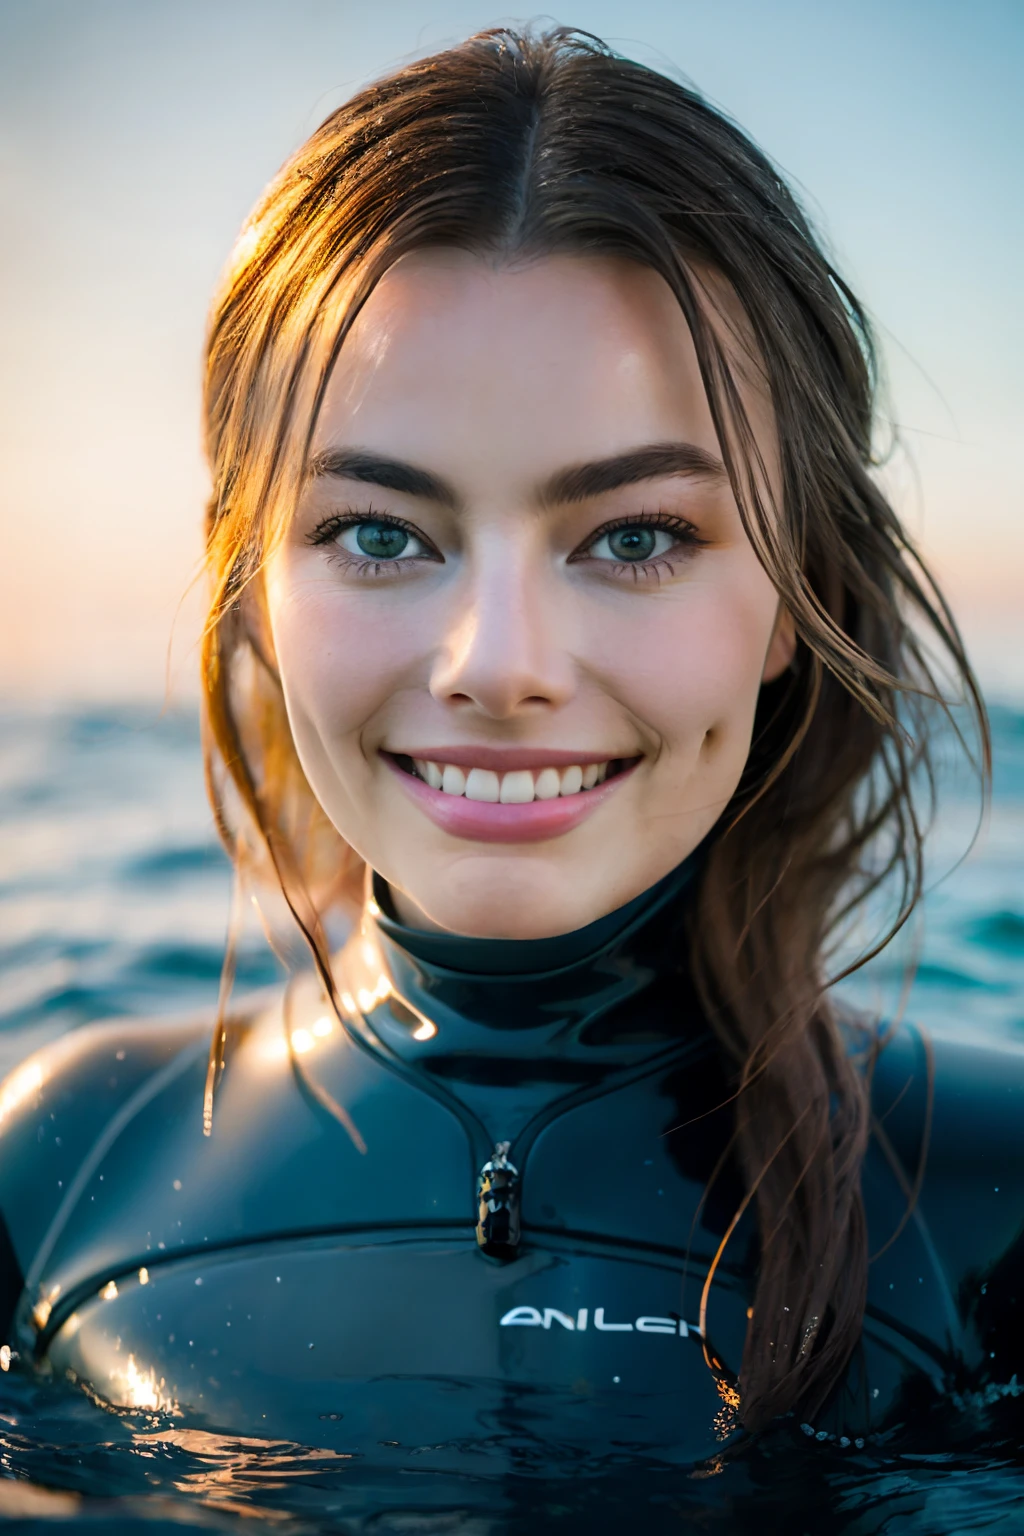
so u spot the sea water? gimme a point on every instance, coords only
(114, 898)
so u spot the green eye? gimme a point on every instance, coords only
(373, 544)
(381, 541)
(632, 543)
(377, 538)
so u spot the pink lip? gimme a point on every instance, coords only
(480, 821)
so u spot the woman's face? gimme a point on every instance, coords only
(519, 626)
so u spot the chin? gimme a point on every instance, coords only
(497, 924)
(517, 903)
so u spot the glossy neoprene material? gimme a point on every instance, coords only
(310, 1271)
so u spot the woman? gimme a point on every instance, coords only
(553, 597)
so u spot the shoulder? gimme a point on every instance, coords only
(958, 1107)
(966, 1097)
(60, 1101)
(67, 1090)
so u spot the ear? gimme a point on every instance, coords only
(782, 647)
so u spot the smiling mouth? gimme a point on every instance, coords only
(519, 786)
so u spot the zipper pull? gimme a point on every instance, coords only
(497, 1227)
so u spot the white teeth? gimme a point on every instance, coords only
(548, 785)
(453, 780)
(517, 788)
(482, 784)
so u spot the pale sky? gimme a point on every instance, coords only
(136, 134)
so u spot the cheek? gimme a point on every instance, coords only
(339, 660)
(690, 666)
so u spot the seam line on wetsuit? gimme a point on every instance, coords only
(117, 1123)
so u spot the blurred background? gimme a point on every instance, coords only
(134, 137)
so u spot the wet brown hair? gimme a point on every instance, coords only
(521, 146)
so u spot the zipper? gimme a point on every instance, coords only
(499, 1182)
(498, 1191)
(497, 1196)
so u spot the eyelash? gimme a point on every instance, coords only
(686, 534)
(327, 531)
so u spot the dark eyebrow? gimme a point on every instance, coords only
(391, 474)
(582, 481)
(577, 483)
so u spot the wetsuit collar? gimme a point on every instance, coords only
(618, 984)
(533, 957)
(509, 1028)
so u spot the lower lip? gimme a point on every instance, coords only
(483, 821)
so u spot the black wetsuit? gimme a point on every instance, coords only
(314, 1268)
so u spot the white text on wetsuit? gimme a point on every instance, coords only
(543, 1317)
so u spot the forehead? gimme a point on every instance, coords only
(560, 355)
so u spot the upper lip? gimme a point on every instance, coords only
(508, 759)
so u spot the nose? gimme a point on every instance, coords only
(505, 651)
